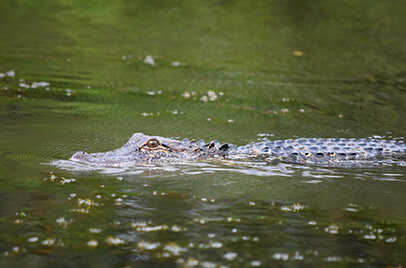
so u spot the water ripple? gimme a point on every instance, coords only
(311, 174)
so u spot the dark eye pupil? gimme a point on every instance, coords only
(153, 143)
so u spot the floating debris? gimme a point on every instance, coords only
(24, 85)
(370, 236)
(186, 94)
(40, 84)
(230, 256)
(175, 112)
(49, 242)
(350, 209)
(95, 230)
(265, 135)
(68, 92)
(190, 262)
(295, 207)
(281, 256)
(33, 239)
(212, 95)
(114, 241)
(215, 244)
(60, 180)
(391, 240)
(207, 264)
(333, 259)
(301, 110)
(204, 98)
(174, 249)
(147, 114)
(149, 60)
(85, 202)
(298, 256)
(62, 222)
(298, 53)
(92, 243)
(143, 245)
(332, 229)
(230, 121)
(139, 224)
(18, 221)
(11, 73)
(177, 63)
(153, 93)
(231, 219)
(176, 228)
(2, 75)
(156, 228)
(255, 263)
(21, 214)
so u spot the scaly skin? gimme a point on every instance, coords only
(144, 149)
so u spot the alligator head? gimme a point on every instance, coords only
(142, 148)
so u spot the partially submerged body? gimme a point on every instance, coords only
(144, 149)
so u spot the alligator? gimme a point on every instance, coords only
(145, 149)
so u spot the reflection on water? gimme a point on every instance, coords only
(253, 168)
(156, 220)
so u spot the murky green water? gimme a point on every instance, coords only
(283, 68)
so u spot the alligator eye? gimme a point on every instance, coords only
(153, 143)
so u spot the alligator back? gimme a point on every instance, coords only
(326, 150)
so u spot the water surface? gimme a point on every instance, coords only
(77, 75)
